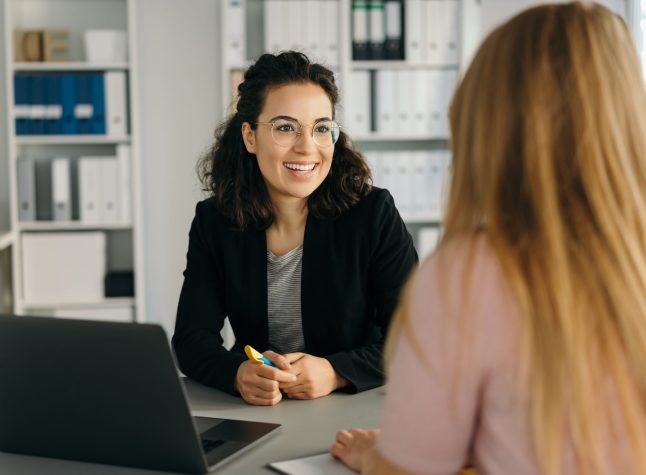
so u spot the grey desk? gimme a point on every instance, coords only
(308, 428)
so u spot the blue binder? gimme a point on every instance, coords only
(68, 100)
(53, 122)
(83, 108)
(98, 103)
(21, 87)
(38, 106)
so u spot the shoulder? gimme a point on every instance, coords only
(463, 282)
(208, 215)
(378, 202)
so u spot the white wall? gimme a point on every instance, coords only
(177, 45)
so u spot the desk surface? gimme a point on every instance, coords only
(308, 428)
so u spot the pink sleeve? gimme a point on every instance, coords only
(432, 401)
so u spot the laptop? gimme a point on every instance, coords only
(106, 393)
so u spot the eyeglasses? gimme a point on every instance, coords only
(286, 132)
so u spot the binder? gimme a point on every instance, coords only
(116, 109)
(360, 30)
(97, 91)
(89, 176)
(403, 181)
(26, 189)
(432, 15)
(436, 182)
(314, 27)
(22, 114)
(422, 104)
(43, 169)
(330, 34)
(373, 158)
(393, 46)
(441, 86)
(406, 102)
(294, 26)
(415, 21)
(235, 29)
(68, 101)
(357, 119)
(427, 240)
(109, 202)
(275, 33)
(450, 32)
(376, 25)
(387, 173)
(385, 102)
(83, 109)
(54, 107)
(38, 108)
(420, 165)
(124, 183)
(61, 189)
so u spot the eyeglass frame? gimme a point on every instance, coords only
(298, 134)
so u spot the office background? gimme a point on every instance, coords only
(179, 102)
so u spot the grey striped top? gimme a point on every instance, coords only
(284, 301)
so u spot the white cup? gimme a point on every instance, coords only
(109, 46)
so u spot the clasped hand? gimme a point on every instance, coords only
(297, 376)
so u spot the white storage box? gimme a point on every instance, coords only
(63, 268)
(109, 46)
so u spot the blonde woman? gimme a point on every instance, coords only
(521, 344)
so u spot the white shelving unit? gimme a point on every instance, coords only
(243, 38)
(123, 239)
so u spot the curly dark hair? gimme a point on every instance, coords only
(231, 174)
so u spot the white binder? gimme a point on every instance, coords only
(116, 108)
(109, 203)
(405, 101)
(415, 21)
(235, 33)
(61, 189)
(275, 32)
(89, 176)
(432, 15)
(330, 19)
(26, 189)
(420, 164)
(427, 240)
(294, 25)
(386, 106)
(125, 183)
(422, 103)
(450, 33)
(357, 115)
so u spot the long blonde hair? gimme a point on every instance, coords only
(549, 157)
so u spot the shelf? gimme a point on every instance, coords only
(68, 139)
(69, 66)
(376, 137)
(397, 65)
(70, 226)
(6, 239)
(105, 303)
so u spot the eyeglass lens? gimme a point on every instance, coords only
(286, 132)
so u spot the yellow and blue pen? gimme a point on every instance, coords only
(256, 356)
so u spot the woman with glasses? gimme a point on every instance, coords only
(294, 246)
(520, 345)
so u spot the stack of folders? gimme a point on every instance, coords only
(377, 27)
(91, 190)
(310, 26)
(432, 32)
(400, 103)
(72, 103)
(418, 181)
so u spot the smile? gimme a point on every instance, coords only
(300, 167)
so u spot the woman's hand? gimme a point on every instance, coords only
(354, 447)
(259, 383)
(315, 377)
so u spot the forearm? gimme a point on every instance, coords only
(361, 368)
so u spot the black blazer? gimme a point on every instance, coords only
(353, 269)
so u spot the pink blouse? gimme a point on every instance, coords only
(456, 395)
